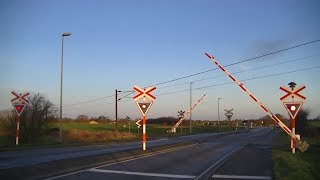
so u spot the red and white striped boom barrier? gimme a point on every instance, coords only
(185, 114)
(302, 145)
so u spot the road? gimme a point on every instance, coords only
(243, 155)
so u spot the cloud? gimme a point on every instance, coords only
(261, 47)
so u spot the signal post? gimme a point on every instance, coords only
(144, 99)
(19, 102)
(293, 107)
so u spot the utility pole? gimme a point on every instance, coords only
(190, 108)
(116, 105)
(116, 113)
(218, 110)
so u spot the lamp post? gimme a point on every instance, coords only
(218, 110)
(190, 107)
(218, 114)
(61, 78)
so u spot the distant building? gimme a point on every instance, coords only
(93, 122)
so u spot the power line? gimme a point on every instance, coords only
(92, 100)
(202, 72)
(131, 92)
(250, 59)
(248, 79)
(97, 99)
(260, 77)
(227, 83)
(238, 72)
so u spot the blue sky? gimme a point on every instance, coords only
(119, 44)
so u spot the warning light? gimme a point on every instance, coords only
(19, 108)
(293, 108)
(144, 107)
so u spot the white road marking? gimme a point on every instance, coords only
(239, 177)
(143, 174)
(148, 155)
(207, 170)
(220, 160)
(125, 160)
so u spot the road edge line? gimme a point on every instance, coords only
(126, 159)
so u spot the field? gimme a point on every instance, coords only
(79, 133)
(300, 165)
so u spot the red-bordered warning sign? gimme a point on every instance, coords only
(20, 98)
(293, 108)
(292, 93)
(19, 108)
(144, 93)
(144, 107)
(19, 102)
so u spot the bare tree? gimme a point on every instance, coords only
(302, 121)
(82, 118)
(34, 119)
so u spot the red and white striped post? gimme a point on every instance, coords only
(144, 133)
(293, 142)
(144, 106)
(19, 102)
(17, 130)
(293, 108)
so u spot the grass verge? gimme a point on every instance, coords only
(80, 133)
(295, 166)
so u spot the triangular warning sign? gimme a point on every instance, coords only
(19, 108)
(144, 107)
(293, 108)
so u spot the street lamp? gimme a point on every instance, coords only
(218, 110)
(63, 35)
(190, 125)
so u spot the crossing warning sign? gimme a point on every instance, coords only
(19, 102)
(144, 93)
(144, 100)
(293, 93)
(144, 107)
(19, 108)
(293, 108)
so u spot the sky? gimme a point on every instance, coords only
(121, 43)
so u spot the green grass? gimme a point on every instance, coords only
(289, 166)
(314, 123)
(77, 133)
(153, 130)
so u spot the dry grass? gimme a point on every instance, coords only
(4, 132)
(77, 135)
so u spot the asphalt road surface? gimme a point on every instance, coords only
(240, 155)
